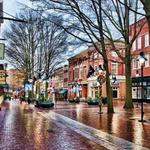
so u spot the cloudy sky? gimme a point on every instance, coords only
(11, 7)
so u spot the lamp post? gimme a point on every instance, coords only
(5, 66)
(137, 90)
(142, 60)
(114, 83)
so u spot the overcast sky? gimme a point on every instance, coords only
(10, 7)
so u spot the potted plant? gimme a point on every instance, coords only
(92, 101)
(43, 102)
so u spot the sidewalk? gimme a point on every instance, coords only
(123, 123)
(4, 107)
(24, 129)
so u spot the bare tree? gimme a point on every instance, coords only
(53, 46)
(22, 43)
(83, 20)
(95, 21)
(146, 4)
(35, 46)
(121, 14)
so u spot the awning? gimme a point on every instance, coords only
(63, 91)
(4, 86)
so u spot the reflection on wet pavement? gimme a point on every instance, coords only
(24, 129)
(123, 124)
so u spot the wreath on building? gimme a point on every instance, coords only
(101, 78)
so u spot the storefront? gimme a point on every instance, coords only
(137, 82)
(77, 90)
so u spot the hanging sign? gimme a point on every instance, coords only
(2, 49)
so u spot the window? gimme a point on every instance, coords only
(134, 46)
(80, 73)
(114, 68)
(95, 68)
(84, 72)
(134, 63)
(115, 92)
(139, 43)
(114, 54)
(95, 55)
(146, 40)
(147, 62)
(148, 93)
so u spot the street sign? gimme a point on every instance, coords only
(2, 48)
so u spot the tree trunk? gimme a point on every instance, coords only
(46, 86)
(110, 108)
(128, 100)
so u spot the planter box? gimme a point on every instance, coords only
(92, 102)
(96, 101)
(75, 100)
(44, 104)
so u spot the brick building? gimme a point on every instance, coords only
(80, 85)
(141, 44)
(59, 82)
(15, 79)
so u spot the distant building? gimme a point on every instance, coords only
(141, 44)
(80, 85)
(15, 79)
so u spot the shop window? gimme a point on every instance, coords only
(115, 92)
(148, 93)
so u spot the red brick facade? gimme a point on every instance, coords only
(141, 44)
(88, 87)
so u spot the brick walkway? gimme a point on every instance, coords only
(24, 129)
(123, 124)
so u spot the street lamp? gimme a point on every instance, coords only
(142, 60)
(114, 83)
(137, 90)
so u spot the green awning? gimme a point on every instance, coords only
(4, 86)
(63, 91)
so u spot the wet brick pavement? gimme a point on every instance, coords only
(122, 123)
(24, 129)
